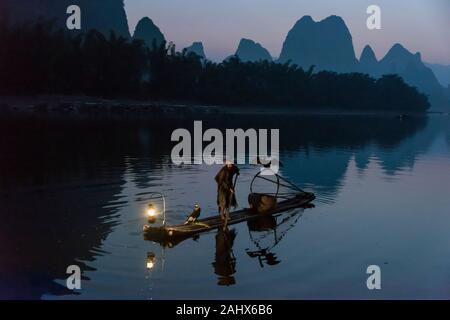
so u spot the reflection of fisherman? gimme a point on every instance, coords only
(225, 262)
(225, 190)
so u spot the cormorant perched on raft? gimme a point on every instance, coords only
(194, 215)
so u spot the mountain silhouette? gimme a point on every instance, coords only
(407, 65)
(398, 59)
(103, 16)
(250, 51)
(326, 44)
(442, 73)
(197, 48)
(368, 62)
(148, 32)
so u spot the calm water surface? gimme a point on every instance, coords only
(73, 191)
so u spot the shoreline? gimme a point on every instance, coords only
(85, 105)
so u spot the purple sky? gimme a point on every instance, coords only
(420, 25)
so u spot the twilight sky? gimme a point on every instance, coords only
(420, 25)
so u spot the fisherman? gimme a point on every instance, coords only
(226, 197)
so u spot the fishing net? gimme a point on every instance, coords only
(274, 185)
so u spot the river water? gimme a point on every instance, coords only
(73, 191)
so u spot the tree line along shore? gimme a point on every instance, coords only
(41, 60)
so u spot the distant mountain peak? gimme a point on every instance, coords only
(245, 42)
(305, 19)
(368, 62)
(399, 53)
(334, 19)
(249, 50)
(398, 49)
(147, 31)
(103, 16)
(368, 55)
(147, 20)
(410, 67)
(197, 48)
(327, 44)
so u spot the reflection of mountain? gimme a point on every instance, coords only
(59, 186)
(317, 149)
(59, 193)
(404, 155)
(53, 208)
(49, 232)
(324, 169)
(61, 178)
(396, 144)
(101, 15)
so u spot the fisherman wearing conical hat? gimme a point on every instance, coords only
(226, 197)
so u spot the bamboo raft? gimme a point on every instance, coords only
(171, 235)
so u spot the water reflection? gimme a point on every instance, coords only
(49, 232)
(151, 257)
(266, 233)
(67, 185)
(225, 262)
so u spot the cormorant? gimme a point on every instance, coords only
(194, 215)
